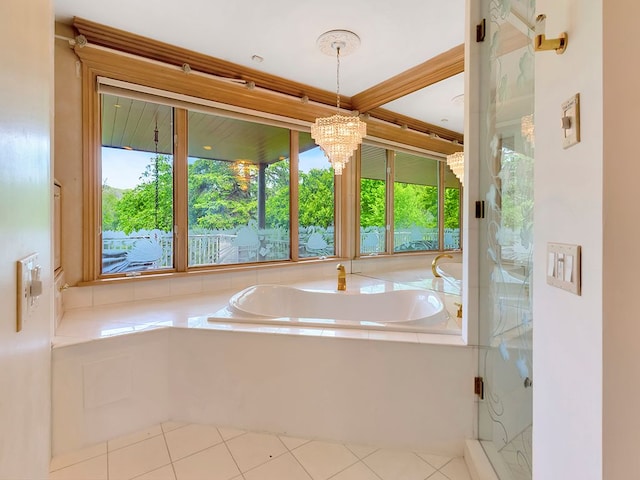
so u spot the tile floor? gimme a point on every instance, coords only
(180, 451)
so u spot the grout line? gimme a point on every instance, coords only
(229, 450)
(166, 444)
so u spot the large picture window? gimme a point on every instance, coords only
(186, 188)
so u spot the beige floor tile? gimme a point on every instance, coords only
(93, 469)
(190, 439)
(398, 465)
(163, 473)
(293, 442)
(438, 476)
(139, 458)
(71, 458)
(227, 433)
(214, 463)
(172, 425)
(361, 451)
(358, 471)
(322, 459)
(456, 469)
(253, 449)
(285, 467)
(134, 437)
(436, 461)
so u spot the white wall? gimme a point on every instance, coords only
(568, 370)
(26, 82)
(621, 261)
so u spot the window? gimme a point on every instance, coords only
(415, 203)
(238, 177)
(316, 204)
(137, 186)
(229, 164)
(414, 221)
(230, 187)
(185, 188)
(373, 200)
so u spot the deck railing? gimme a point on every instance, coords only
(211, 248)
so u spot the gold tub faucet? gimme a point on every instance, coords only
(342, 277)
(434, 264)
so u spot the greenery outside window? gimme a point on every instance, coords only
(316, 205)
(373, 200)
(137, 186)
(415, 203)
(238, 176)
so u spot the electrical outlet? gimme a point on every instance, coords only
(29, 288)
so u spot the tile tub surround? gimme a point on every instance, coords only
(182, 451)
(126, 366)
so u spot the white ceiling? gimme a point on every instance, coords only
(395, 36)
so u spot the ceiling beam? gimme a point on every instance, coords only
(432, 71)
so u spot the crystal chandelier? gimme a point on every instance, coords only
(456, 164)
(338, 135)
(528, 128)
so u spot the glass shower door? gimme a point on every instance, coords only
(506, 235)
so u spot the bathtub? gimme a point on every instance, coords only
(451, 272)
(402, 310)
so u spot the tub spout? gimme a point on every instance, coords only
(342, 277)
(434, 264)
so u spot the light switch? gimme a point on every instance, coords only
(564, 266)
(29, 288)
(570, 121)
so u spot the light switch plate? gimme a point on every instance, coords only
(564, 266)
(570, 121)
(24, 303)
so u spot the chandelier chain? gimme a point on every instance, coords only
(156, 173)
(338, 78)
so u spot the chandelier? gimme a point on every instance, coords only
(456, 164)
(528, 128)
(338, 135)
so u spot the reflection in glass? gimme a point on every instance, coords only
(415, 203)
(452, 220)
(373, 191)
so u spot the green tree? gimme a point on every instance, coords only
(452, 208)
(316, 198)
(217, 199)
(149, 205)
(372, 203)
(413, 206)
(110, 198)
(277, 203)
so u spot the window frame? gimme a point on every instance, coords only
(228, 96)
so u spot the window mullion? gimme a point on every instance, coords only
(391, 156)
(180, 190)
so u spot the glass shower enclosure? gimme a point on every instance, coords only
(506, 159)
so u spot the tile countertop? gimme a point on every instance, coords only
(191, 311)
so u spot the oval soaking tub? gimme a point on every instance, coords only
(408, 309)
